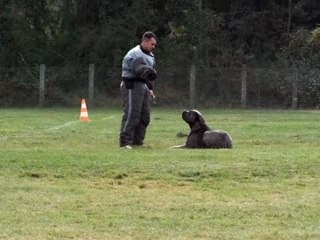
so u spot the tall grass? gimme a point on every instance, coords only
(65, 179)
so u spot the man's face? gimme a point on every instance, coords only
(150, 44)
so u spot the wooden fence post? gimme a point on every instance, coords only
(294, 102)
(91, 84)
(192, 85)
(42, 78)
(244, 85)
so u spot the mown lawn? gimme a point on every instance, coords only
(65, 179)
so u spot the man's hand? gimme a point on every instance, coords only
(152, 94)
(153, 97)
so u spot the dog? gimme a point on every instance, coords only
(201, 136)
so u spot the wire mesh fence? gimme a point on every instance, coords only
(214, 87)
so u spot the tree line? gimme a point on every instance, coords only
(277, 40)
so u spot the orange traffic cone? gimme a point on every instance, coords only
(84, 117)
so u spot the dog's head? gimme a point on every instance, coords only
(192, 117)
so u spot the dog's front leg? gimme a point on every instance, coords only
(178, 146)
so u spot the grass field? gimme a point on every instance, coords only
(65, 179)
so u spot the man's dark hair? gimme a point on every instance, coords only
(148, 35)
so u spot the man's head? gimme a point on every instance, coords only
(149, 41)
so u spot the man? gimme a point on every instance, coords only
(136, 89)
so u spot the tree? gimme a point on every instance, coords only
(303, 51)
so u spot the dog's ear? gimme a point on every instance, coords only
(201, 120)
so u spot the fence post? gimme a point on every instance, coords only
(91, 84)
(192, 85)
(294, 102)
(42, 78)
(244, 85)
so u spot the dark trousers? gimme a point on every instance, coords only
(136, 114)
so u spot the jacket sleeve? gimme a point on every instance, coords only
(149, 85)
(142, 70)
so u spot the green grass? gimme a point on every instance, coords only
(65, 179)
